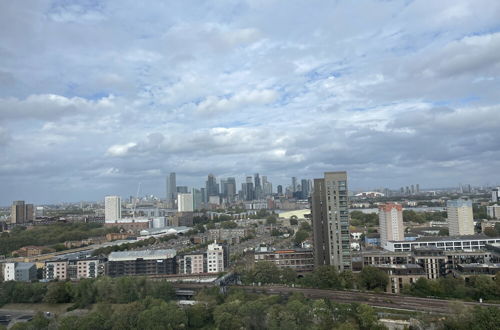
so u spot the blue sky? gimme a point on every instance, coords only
(97, 96)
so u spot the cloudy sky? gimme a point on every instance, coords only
(97, 96)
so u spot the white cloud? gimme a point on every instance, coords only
(214, 104)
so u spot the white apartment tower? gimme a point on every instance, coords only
(390, 217)
(215, 258)
(112, 208)
(185, 202)
(460, 218)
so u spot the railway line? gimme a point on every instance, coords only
(399, 302)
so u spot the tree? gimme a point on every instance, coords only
(163, 315)
(229, 224)
(372, 278)
(58, 293)
(264, 272)
(275, 232)
(324, 277)
(271, 220)
(305, 226)
(198, 316)
(489, 231)
(300, 236)
(444, 232)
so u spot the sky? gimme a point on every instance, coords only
(99, 96)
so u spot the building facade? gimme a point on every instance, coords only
(149, 262)
(390, 223)
(330, 219)
(300, 260)
(112, 208)
(185, 202)
(19, 271)
(215, 258)
(460, 217)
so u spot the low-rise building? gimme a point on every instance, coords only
(230, 235)
(32, 251)
(401, 275)
(182, 219)
(74, 269)
(435, 262)
(148, 262)
(466, 242)
(215, 258)
(300, 260)
(19, 271)
(474, 269)
(194, 263)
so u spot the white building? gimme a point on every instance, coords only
(493, 211)
(185, 202)
(19, 271)
(215, 258)
(447, 243)
(112, 208)
(495, 195)
(460, 217)
(390, 223)
(9, 271)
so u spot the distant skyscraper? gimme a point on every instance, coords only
(413, 189)
(294, 184)
(495, 194)
(171, 190)
(112, 208)
(418, 188)
(223, 187)
(258, 187)
(280, 189)
(185, 202)
(197, 199)
(231, 189)
(304, 184)
(182, 189)
(248, 189)
(390, 223)
(330, 218)
(212, 186)
(460, 217)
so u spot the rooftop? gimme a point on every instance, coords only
(145, 255)
(24, 265)
(450, 238)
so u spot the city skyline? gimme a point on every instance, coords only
(97, 97)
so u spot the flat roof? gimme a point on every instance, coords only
(145, 255)
(449, 238)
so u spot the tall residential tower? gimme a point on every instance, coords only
(390, 218)
(330, 219)
(460, 217)
(112, 208)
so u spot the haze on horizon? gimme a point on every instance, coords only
(97, 96)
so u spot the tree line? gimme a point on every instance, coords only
(86, 292)
(48, 235)
(324, 277)
(372, 278)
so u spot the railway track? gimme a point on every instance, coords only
(390, 301)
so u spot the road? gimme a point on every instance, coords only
(373, 299)
(13, 316)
